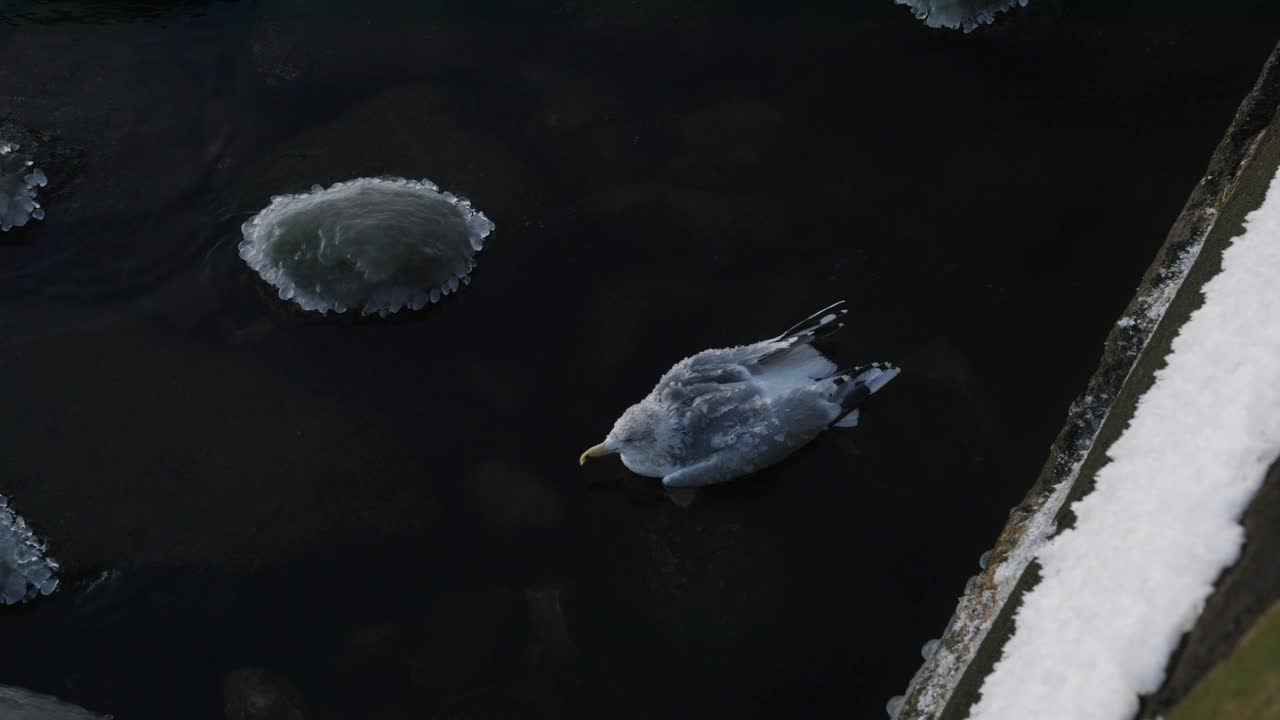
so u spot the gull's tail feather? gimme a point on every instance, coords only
(854, 386)
(874, 376)
(825, 321)
(849, 419)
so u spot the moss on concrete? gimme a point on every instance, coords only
(1244, 593)
(1246, 686)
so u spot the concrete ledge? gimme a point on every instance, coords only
(1236, 180)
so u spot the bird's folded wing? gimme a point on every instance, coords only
(709, 369)
(682, 393)
(708, 471)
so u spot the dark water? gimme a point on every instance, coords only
(389, 513)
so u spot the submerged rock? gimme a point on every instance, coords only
(256, 694)
(717, 594)
(367, 658)
(19, 183)
(457, 641)
(964, 15)
(729, 136)
(374, 243)
(510, 505)
(549, 632)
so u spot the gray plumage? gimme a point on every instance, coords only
(725, 413)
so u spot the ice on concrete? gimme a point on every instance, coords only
(19, 184)
(25, 571)
(966, 15)
(931, 686)
(1121, 587)
(378, 244)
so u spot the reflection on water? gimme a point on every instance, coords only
(384, 518)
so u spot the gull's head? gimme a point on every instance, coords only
(641, 437)
(598, 450)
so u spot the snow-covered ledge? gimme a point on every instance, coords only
(1120, 588)
(956, 665)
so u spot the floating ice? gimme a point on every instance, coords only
(959, 14)
(379, 244)
(18, 186)
(19, 704)
(25, 572)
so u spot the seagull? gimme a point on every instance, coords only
(726, 413)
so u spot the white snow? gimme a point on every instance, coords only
(25, 572)
(1120, 589)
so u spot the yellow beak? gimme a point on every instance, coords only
(593, 451)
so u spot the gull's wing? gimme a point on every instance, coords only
(748, 406)
(739, 430)
(711, 372)
(744, 407)
(783, 354)
(711, 365)
(817, 324)
(773, 364)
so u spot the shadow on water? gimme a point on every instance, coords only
(387, 515)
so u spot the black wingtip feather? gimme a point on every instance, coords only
(812, 326)
(858, 394)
